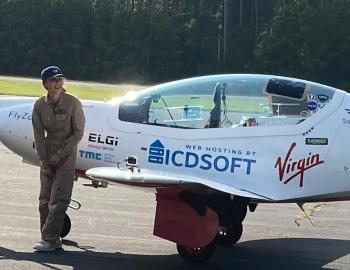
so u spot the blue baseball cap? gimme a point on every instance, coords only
(51, 72)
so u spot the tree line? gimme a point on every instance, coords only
(161, 40)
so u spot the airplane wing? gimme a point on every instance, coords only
(146, 177)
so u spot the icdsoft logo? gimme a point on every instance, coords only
(158, 154)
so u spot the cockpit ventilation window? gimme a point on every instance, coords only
(286, 88)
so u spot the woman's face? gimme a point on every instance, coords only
(54, 85)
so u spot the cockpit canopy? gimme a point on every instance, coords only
(225, 101)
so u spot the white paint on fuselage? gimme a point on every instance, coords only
(246, 158)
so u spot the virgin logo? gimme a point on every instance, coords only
(288, 168)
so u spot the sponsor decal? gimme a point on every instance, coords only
(90, 155)
(322, 98)
(312, 105)
(102, 139)
(109, 158)
(195, 158)
(316, 141)
(100, 147)
(311, 97)
(304, 113)
(346, 121)
(348, 111)
(290, 168)
(106, 157)
(20, 115)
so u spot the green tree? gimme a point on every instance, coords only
(37, 33)
(308, 39)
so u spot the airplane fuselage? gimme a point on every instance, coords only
(307, 161)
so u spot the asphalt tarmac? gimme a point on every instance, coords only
(113, 230)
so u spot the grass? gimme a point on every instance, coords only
(91, 91)
(96, 91)
(234, 103)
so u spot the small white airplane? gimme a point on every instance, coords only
(210, 148)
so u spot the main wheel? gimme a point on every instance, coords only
(66, 226)
(230, 235)
(197, 255)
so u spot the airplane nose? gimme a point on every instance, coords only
(16, 131)
(10, 109)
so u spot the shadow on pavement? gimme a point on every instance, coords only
(284, 253)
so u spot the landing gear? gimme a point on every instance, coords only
(66, 226)
(196, 255)
(229, 235)
(231, 213)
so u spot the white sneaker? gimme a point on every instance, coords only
(47, 246)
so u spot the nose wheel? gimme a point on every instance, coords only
(66, 226)
(75, 205)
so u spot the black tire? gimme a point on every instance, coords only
(230, 235)
(196, 255)
(66, 226)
